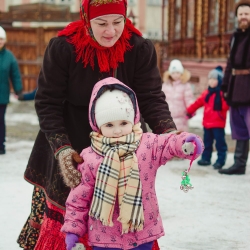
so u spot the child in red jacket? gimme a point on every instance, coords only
(214, 119)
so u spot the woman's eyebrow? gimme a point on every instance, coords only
(103, 20)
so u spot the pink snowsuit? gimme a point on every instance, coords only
(153, 152)
(179, 95)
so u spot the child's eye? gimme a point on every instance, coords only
(124, 123)
(109, 125)
(115, 23)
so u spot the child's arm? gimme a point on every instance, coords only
(196, 105)
(182, 145)
(224, 103)
(188, 95)
(78, 203)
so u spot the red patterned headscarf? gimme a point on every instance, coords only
(80, 34)
(105, 7)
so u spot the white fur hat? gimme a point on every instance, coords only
(112, 106)
(175, 66)
(2, 33)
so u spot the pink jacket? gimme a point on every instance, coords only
(153, 152)
(178, 96)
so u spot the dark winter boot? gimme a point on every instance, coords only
(240, 159)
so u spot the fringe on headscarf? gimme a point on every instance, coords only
(86, 48)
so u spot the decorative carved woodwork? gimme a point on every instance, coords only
(202, 45)
(183, 24)
(198, 31)
(171, 22)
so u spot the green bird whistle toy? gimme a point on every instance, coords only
(185, 183)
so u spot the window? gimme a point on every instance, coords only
(154, 35)
(190, 18)
(154, 2)
(48, 1)
(131, 2)
(231, 20)
(213, 26)
(177, 19)
(64, 1)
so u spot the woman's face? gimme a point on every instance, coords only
(2, 42)
(107, 29)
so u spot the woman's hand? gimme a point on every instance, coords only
(67, 161)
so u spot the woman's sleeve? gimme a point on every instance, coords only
(15, 76)
(51, 92)
(30, 95)
(188, 95)
(148, 88)
(228, 70)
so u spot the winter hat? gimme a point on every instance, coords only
(216, 73)
(106, 7)
(113, 105)
(240, 3)
(2, 33)
(175, 66)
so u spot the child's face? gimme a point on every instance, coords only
(176, 76)
(116, 129)
(213, 83)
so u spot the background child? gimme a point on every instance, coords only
(116, 203)
(178, 91)
(214, 119)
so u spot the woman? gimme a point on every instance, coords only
(103, 43)
(8, 71)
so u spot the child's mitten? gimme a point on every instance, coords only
(71, 240)
(191, 142)
(67, 161)
(188, 115)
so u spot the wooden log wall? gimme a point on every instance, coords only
(28, 46)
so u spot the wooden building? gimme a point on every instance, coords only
(28, 43)
(199, 33)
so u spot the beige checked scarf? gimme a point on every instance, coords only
(118, 175)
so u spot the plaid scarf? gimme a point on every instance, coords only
(118, 175)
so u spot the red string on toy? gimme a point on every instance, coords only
(193, 157)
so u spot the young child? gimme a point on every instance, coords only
(116, 203)
(214, 119)
(178, 91)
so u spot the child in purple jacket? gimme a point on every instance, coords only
(116, 202)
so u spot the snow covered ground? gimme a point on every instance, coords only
(214, 215)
